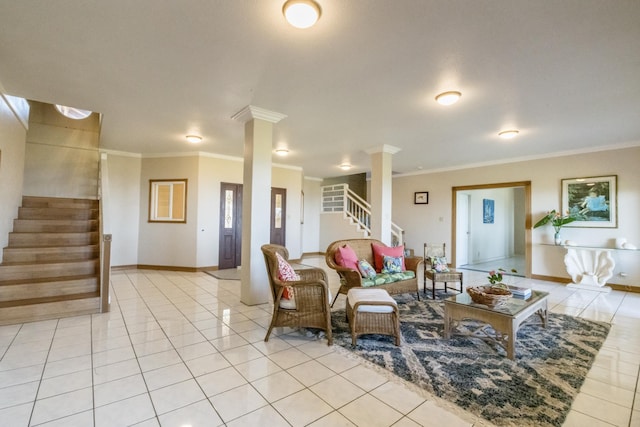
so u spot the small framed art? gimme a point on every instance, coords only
(421, 198)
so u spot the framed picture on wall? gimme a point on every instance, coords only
(421, 198)
(592, 201)
(488, 207)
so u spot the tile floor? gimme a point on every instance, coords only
(180, 349)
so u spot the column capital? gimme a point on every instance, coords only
(251, 112)
(384, 148)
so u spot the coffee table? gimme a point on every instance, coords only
(505, 320)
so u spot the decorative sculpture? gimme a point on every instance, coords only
(589, 268)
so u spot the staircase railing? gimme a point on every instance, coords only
(105, 234)
(340, 198)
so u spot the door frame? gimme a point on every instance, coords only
(527, 219)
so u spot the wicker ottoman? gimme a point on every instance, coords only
(372, 311)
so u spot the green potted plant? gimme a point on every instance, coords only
(557, 220)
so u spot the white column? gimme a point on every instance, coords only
(256, 201)
(381, 191)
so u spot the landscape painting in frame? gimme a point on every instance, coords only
(592, 201)
(488, 207)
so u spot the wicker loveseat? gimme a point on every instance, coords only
(350, 278)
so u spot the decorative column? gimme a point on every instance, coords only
(256, 201)
(381, 191)
(589, 268)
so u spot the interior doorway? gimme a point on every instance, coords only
(230, 228)
(492, 227)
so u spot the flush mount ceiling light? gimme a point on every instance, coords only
(508, 134)
(282, 151)
(301, 13)
(345, 166)
(72, 112)
(194, 139)
(448, 98)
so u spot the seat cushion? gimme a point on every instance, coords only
(363, 296)
(384, 278)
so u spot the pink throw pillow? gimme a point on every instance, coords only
(346, 257)
(379, 252)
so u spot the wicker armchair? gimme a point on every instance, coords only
(311, 296)
(452, 276)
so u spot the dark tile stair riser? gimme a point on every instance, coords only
(48, 289)
(50, 270)
(49, 254)
(54, 226)
(58, 202)
(49, 310)
(28, 240)
(57, 213)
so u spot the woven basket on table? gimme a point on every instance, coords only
(492, 296)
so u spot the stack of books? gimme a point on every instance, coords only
(522, 293)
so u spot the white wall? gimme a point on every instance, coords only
(212, 172)
(312, 208)
(13, 134)
(491, 241)
(124, 210)
(291, 179)
(54, 140)
(169, 244)
(432, 222)
(195, 244)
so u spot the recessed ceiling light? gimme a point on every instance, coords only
(282, 151)
(448, 98)
(345, 166)
(301, 13)
(72, 112)
(194, 139)
(508, 134)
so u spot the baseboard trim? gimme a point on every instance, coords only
(555, 279)
(567, 280)
(163, 267)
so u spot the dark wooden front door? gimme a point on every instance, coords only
(278, 216)
(230, 243)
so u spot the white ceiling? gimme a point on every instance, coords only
(566, 73)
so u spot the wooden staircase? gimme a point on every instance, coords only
(52, 264)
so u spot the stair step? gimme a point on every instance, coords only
(54, 225)
(13, 255)
(50, 310)
(31, 240)
(58, 202)
(48, 288)
(57, 213)
(21, 272)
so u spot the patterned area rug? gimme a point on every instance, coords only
(536, 389)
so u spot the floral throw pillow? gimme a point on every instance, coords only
(286, 273)
(391, 264)
(439, 264)
(366, 270)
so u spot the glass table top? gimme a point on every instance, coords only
(513, 306)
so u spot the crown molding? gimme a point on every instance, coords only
(251, 112)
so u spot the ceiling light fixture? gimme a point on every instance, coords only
(72, 112)
(194, 139)
(301, 13)
(282, 151)
(508, 134)
(448, 98)
(345, 166)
